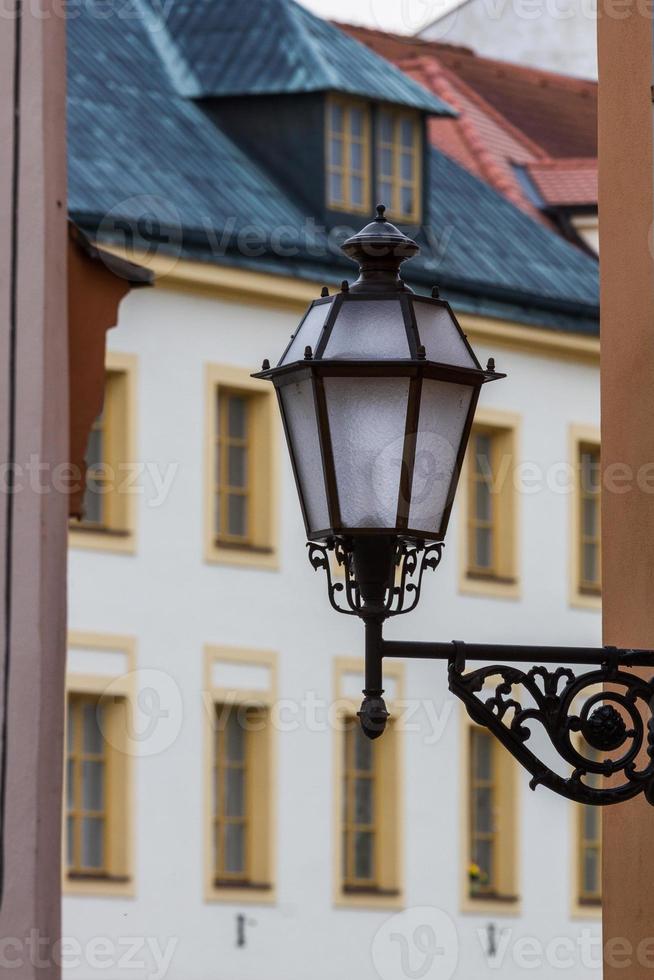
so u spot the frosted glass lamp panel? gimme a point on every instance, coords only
(440, 336)
(308, 333)
(371, 330)
(444, 410)
(367, 420)
(300, 414)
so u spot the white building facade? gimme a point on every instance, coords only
(161, 622)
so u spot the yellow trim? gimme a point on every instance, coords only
(262, 549)
(289, 293)
(579, 435)
(345, 170)
(397, 117)
(262, 783)
(120, 798)
(390, 871)
(120, 440)
(508, 832)
(504, 428)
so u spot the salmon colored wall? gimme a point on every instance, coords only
(627, 374)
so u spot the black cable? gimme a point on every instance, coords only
(11, 440)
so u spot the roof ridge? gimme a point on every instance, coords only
(490, 110)
(488, 165)
(182, 77)
(560, 163)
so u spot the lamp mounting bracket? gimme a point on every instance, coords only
(599, 722)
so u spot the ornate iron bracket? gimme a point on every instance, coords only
(600, 734)
(600, 722)
(402, 583)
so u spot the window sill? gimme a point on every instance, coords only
(490, 903)
(351, 896)
(243, 556)
(240, 892)
(586, 600)
(101, 885)
(94, 538)
(587, 909)
(495, 586)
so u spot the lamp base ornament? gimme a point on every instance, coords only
(599, 722)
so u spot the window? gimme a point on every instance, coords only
(96, 790)
(241, 469)
(491, 852)
(107, 521)
(590, 580)
(399, 163)
(368, 797)
(348, 156)
(491, 506)
(86, 813)
(240, 687)
(234, 794)
(359, 809)
(589, 829)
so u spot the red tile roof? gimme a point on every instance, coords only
(509, 116)
(556, 111)
(565, 182)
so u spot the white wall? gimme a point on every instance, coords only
(558, 35)
(174, 603)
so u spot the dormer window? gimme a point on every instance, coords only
(399, 158)
(348, 156)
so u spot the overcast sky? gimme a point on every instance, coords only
(402, 16)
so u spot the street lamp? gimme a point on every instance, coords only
(377, 391)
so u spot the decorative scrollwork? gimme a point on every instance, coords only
(586, 725)
(410, 561)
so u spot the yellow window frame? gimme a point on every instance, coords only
(78, 756)
(350, 824)
(585, 495)
(346, 170)
(395, 179)
(224, 490)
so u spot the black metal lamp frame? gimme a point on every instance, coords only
(383, 578)
(383, 570)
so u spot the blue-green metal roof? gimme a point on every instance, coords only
(217, 48)
(148, 163)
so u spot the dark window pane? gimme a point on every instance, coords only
(336, 118)
(483, 756)
(94, 450)
(93, 506)
(237, 515)
(237, 463)
(483, 455)
(362, 751)
(483, 507)
(483, 547)
(483, 857)
(591, 882)
(234, 838)
(93, 785)
(92, 843)
(385, 127)
(406, 200)
(386, 163)
(356, 156)
(336, 152)
(237, 413)
(70, 783)
(235, 739)
(363, 801)
(483, 810)
(407, 132)
(234, 793)
(406, 166)
(590, 569)
(591, 515)
(336, 188)
(92, 735)
(356, 188)
(356, 122)
(70, 841)
(363, 855)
